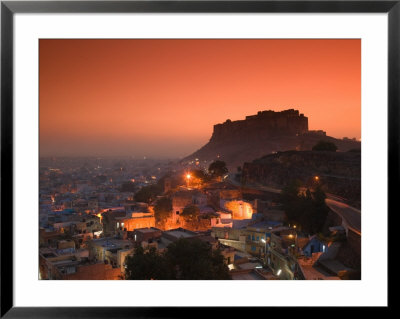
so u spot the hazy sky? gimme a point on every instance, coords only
(162, 97)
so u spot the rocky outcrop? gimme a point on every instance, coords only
(339, 173)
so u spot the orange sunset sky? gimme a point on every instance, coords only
(161, 98)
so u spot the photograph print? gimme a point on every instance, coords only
(199, 159)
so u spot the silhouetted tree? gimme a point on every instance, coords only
(190, 259)
(147, 265)
(190, 214)
(163, 209)
(217, 169)
(200, 174)
(194, 259)
(308, 209)
(148, 193)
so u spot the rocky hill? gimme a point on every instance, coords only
(267, 132)
(339, 173)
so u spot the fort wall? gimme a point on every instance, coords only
(263, 124)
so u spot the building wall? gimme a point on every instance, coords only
(240, 209)
(135, 223)
(239, 245)
(98, 271)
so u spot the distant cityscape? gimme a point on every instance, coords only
(265, 199)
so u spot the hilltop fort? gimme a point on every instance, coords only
(266, 132)
(264, 124)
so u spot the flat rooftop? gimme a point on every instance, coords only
(266, 224)
(180, 233)
(111, 242)
(147, 230)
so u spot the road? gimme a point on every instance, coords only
(350, 215)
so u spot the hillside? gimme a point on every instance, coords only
(339, 173)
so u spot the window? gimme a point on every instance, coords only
(117, 224)
(258, 238)
(253, 248)
(252, 237)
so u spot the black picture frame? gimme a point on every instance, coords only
(9, 8)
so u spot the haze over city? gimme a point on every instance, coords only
(161, 98)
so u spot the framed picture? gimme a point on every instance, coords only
(191, 142)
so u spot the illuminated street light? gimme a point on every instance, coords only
(188, 177)
(316, 178)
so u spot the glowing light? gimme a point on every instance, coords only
(316, 178)
(279, 272)
(98, 233)
(188, 176)
(239, 209)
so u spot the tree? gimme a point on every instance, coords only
(148, 193)
(162, 209)
(190, 259)
(190, 214)
(147, 265)
(217, 168)
(291, 200)
(308, 209)
(193, 259)
(200, 175)
(325, 146)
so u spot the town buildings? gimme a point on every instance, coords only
(88, 226)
